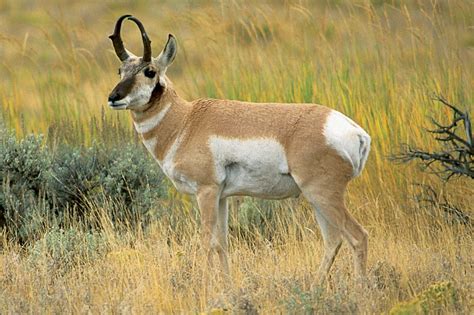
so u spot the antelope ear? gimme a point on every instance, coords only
(168, 54)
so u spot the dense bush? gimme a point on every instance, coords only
(39, 184)
(97, 175)
(24, 174)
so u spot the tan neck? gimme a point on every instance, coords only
(163, 121)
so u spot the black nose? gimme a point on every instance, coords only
(122, 89)
(114, 96)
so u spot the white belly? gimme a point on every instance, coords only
(256, 167)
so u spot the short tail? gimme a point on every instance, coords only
(364, 149)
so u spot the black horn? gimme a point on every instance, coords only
(146, 40)
(117, 39)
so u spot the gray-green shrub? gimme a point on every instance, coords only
(39, 184)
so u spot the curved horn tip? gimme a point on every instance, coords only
(118, 24)
(117, 40)
(145, 39)
(123, 17)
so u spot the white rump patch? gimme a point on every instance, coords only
(152, 122)
(348, 139)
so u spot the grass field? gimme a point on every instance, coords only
(377, 61)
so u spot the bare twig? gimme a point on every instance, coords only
(456, 155)
(429, 199)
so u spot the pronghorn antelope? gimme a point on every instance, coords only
(215, 149)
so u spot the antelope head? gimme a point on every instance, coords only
(142, 79)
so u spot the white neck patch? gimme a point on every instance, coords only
(152, 122)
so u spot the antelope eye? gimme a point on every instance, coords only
(149, 73)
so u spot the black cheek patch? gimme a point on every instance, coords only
(157, 92)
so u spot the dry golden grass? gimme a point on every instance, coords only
(161, 271)
(376, 61)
